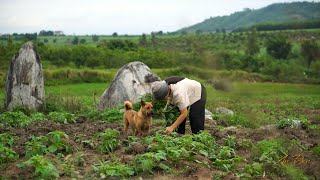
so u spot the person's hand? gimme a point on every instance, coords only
(169, 130)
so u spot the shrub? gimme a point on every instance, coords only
(44, 169)
(270, 152)
(8, 139)
(295, 173)
(293, 122)
(111, 115)
(62, 117)
(254, 169)
(7, 155)
(310, 51)
(53, 142)
(36, 146)
(108, 140)
(316, 151)
(15, 119)
(148, 161)
(57, 141)
(112, 169)
(278, 47)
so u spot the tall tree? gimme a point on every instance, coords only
(75, 40)
(143, 40)
(153, 39)
(252, 46)
(95, 38)
(310, 50)
(278, 47)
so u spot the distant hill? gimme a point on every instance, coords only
(279, 12)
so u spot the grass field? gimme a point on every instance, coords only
(252, 101)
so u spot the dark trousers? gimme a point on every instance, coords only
(196, 114)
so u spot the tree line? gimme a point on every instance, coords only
(281, 56)
(272, 26)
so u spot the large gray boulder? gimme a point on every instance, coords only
(24, 85)
(131, 82)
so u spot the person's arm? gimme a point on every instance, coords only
(181, 118)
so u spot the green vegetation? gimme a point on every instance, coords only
(7, 155)
(271, 26)
(14, 119)
(112, 169)
(108, 140)
(279, 56)
(62, 117)
(44, 169)
(8, 139)
(279, 12)
(267, 79)
(53, 142)
(254, 104)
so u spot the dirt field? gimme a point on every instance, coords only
(301, 158)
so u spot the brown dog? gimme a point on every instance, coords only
(139, 121)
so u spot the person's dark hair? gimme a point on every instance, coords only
(174, 79)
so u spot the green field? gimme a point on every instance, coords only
(256, 103)
(275, 98)
(222, 149)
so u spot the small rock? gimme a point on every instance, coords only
(224, 111)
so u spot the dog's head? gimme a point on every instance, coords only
(146, 108)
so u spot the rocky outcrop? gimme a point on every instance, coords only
(24, 85)
(131, 82)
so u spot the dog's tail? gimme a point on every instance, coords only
(128, 105)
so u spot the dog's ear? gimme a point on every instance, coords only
(143, 103)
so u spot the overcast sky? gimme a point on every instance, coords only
(83, 17)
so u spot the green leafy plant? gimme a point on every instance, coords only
(44, 169)
(270, 152)
(36, 146)
(38, 117)
(254, 169)
(57, 141)
(112, 169)
(15, 119)
(316, 151)
(240, 120)
(78, 159)
(7, 155)
(108, 140)
(148, 161)
(230, 141)
(293, 172)
(293, 122)
(111, 115)
(8, 139)
(62, 117)
(226, 159)
(170, 114)
(68, 169)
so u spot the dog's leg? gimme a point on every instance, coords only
(126, 124)
(134, 131)
(139, 131)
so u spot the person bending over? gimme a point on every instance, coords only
(187, 95)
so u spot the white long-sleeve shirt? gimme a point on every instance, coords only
(185, 93)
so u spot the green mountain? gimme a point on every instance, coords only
(279, 12)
